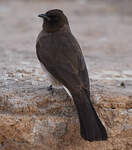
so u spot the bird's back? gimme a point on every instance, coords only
(61, 50)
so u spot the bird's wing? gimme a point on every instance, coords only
(63, 58)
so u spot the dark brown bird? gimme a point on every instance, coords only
(59, 52)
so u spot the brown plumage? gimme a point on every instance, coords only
(58, 50)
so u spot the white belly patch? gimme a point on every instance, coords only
(54, 82)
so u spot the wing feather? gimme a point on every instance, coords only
(63, 58)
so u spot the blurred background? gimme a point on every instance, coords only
(102, 27)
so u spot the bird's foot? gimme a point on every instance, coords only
(51, 89)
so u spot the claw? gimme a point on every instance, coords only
(51, 89)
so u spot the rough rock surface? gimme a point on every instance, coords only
(31, 118)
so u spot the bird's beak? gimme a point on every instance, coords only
(44, 16)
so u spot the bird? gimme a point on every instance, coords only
(60, 55)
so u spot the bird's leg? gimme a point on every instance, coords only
(51, 89)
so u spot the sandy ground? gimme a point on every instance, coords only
(103, 29)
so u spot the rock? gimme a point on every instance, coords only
(50, 122)
(33, 118)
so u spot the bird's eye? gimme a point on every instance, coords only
(54, 18)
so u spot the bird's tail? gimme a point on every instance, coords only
(91, 128)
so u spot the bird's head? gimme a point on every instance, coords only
(54, 20)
